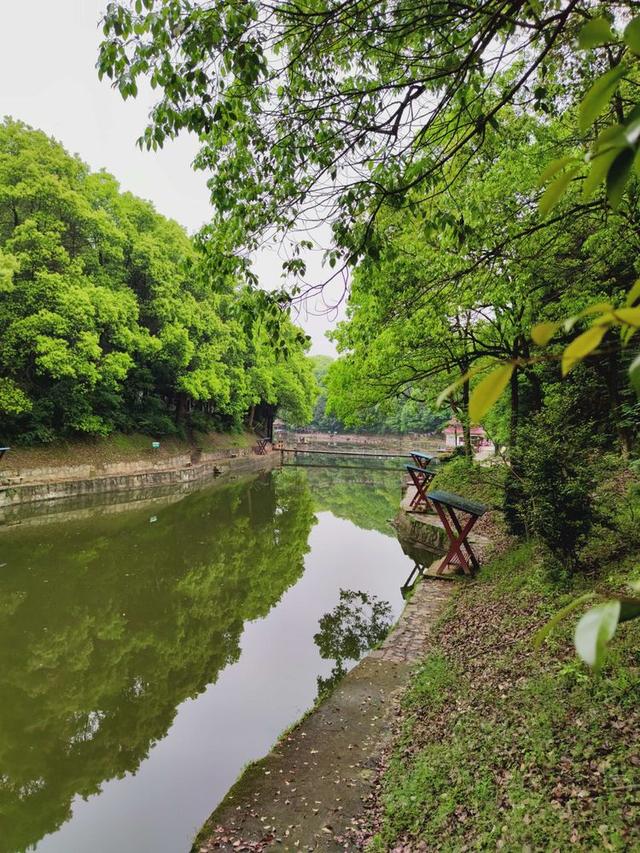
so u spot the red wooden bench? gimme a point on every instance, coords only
(421, 478)
(422, 460)
(460, 553)
(261, 446)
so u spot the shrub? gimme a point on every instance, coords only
(476, 482)
(549, 489)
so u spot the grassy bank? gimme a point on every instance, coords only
(499, 745)
(119, 448)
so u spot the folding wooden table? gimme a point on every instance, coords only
(261, 446)
(447, 506)
(421, 478)
(422, 460)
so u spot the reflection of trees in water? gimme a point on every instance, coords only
(368, 498)
(106, 626)
(357, 623)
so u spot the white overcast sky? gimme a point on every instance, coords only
(48, 50)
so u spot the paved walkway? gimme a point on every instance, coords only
(408, 641)
(309, 791)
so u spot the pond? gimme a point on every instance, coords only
(150, 649)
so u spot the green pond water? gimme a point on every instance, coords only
(151, 647)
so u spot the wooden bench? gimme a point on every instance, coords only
(422, 460)
(447, 506)
(421, 478)
(261, 446)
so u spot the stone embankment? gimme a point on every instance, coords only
(24, 486)
(409, 640)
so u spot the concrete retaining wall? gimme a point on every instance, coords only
(420, 530)
(80, 480)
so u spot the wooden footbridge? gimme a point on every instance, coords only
(359, 453)
(308, 457)
(318, 457)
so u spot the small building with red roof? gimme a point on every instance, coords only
(454, 436)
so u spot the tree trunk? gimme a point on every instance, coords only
(623, 431)
(536, 397)
(181, 405)
(466, 424)
(515, 408)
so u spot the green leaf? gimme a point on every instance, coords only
(632, 131)
(541, 635)
(629, 608)
(555, 191)
(448, 391)
(594, 630)
(554, 167)
(634, 294)
(581, 347)
(600, 165)
(596, 308)
(542, 333)
(618, 175)
(598, 96)
(485, 394)
(627, 333)
(634, 374)
(630, 316)
(605, 309)
(631, 35)
(598, 31)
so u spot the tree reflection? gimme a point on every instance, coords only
(357, 623)
(107, 625)
(368, 497)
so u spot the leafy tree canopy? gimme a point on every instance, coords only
(334, 110)
(112, 319)
(439, 303)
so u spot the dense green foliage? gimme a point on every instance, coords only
(397, 415)
(384, 120)
(351, 106)
(479, 483)
(321, 419)
(112, 319)
(436, 303)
